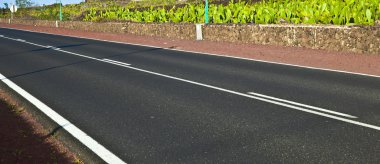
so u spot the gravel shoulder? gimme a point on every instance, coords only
(344, 61)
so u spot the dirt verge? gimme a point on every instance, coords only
(24, 140)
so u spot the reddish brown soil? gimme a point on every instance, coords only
(23, 139)
(345, 61)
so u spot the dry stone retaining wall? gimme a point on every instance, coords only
(113, 27)
(361, 39)
(169, 30)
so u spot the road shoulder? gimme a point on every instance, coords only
(24, 139)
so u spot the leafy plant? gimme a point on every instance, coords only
(339, 12)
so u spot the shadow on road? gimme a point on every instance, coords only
(41, 49)
(65, 46)
(74, 63)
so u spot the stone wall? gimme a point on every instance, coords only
(112, 27)
(44, 23)
(361, 39)
(364, 39)
(169, 30)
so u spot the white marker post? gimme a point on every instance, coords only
(198, 31)
(13, 9)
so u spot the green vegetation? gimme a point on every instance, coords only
(338, 12)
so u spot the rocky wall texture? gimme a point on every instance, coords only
(112, 27)
(44, 23)
(169, 30)
(361, 39)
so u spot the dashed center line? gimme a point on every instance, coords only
(51, 47)
(302, 105)
(115, 62)
(21, 40)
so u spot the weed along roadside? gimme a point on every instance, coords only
(327, 12)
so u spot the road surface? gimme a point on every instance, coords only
(154, 105)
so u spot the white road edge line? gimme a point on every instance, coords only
(24, 41)
(238, 93)
(85, 139)
(302, 105)
(205, 53)
(72, 53)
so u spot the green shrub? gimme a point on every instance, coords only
(338, 12)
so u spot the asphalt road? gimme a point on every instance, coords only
(164, 106)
